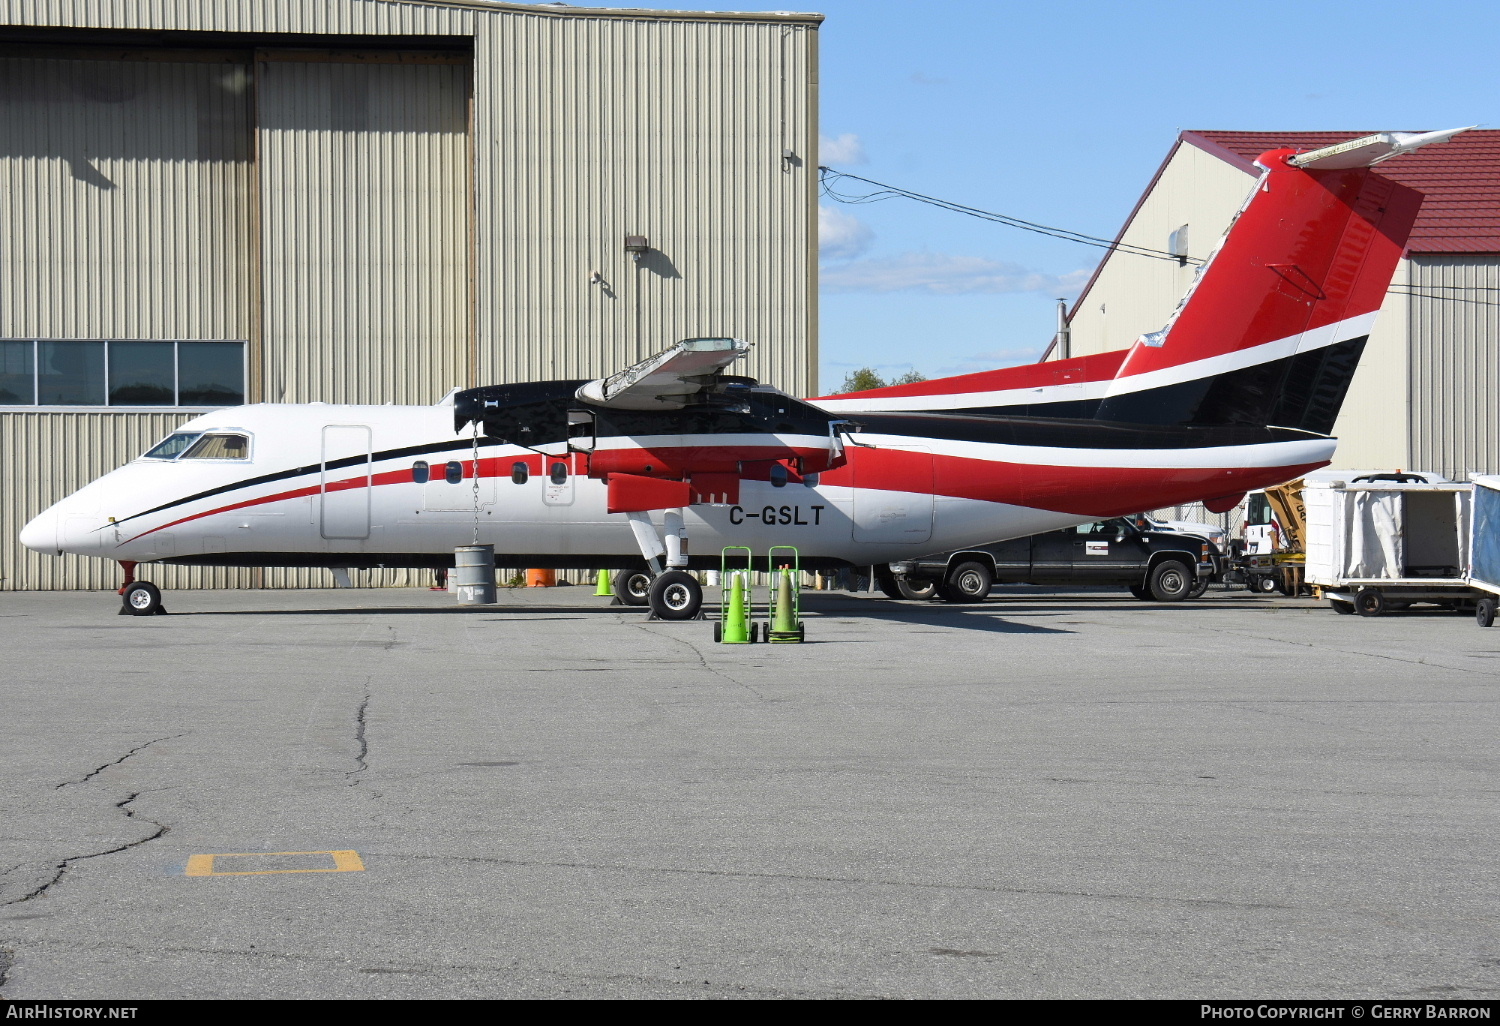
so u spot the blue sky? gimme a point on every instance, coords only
(1059, 113)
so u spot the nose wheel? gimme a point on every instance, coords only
(141, 598)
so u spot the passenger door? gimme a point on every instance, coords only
(345, 486)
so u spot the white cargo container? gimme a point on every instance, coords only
(1484, 546)
(1379, 545)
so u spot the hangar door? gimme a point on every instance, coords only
(364, 187)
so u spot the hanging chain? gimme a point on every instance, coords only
(476, 482)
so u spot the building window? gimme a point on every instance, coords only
(75, 372)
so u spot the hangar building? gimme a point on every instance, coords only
(1425, 394)
(371, 201)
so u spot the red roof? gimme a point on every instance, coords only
(1460, 178)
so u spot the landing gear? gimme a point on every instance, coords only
(1200, 588)
(141, 598)
(633, 587)
(676, 595)
(913, 589)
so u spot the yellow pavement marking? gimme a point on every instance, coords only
(203, 865)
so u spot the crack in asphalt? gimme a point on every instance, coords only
(871, 881)
(61, 868)
(703, 660)
(94, 773)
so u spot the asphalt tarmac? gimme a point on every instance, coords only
(1050, 795)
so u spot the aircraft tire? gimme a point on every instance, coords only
(1171, 581)
(968, 582)
(1200, 587)
(919, 590)
(634, 587)
(141, 599)
(1141, 592)
(676, 595)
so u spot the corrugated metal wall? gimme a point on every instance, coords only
(684, 125)
(333, 212)
(1454, 357)
(1131, 294)
(364, 202)
(123, 187)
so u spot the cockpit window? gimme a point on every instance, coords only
(219, 447)
(172, 446)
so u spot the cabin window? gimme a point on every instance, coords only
(453, 472)
(778, 475)
(810, 480)
(121, 373)
(519, 472)
(419, 472)
(173, 446)
(559, 473)
(219, 447)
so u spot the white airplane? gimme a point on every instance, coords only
(1239, 391)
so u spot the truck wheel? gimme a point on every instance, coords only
(1369, 602)
(1264, 584)
(886, 581)
(968, 582)
(1171, 581)
(1484, 612)
(634, 587)
(920, 590)
(1200, 587)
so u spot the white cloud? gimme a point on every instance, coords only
(841, 236)
(945, 275)
(846, 149)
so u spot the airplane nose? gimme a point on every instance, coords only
(40, 535)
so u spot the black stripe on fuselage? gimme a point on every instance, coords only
(466, 445)
(1069, 434)
(1304, 391)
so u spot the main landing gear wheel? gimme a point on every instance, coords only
(1144, 594)
(1200, 587)
(1369, 602)
(676, 595)
(886, 581)
(141, 599)
(634, 587)
(920, 590)
(1171, 581)
(969, 582)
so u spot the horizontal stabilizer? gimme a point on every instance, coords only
(1370, 150)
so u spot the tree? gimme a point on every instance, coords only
(865, 379)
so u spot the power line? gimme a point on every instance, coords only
(829, 179)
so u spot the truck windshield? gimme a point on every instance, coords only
(1258, 513)
(173, 446)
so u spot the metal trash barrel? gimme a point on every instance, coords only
(474, 570)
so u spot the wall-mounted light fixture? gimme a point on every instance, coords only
(637, 246)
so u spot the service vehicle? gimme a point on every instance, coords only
(1167, 566)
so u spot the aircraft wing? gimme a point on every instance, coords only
(669, 380)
